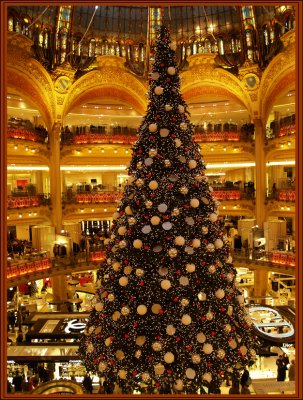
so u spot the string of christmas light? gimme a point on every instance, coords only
(168, 314)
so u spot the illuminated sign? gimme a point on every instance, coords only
(273, 324)
(74, 325)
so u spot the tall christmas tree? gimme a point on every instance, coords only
(168, 310)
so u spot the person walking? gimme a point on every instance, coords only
(88, 383)
(235, 387)
(281, 373)
(292, 371)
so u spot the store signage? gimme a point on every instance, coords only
(272, 324)
(74, 325)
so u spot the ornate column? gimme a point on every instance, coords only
(55, 177)
(260, 172)
(260, 284)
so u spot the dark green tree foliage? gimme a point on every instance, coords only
(168, 311)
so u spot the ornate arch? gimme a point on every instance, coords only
(27, 76)
(110, 80)
(204, 77)
(279, 76)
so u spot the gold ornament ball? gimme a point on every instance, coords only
(170, 330)
(157, 346)
(184, 302)
(119, 355)
(207, 377)
(210, 247)
(122, 373)
(204, 230)
(116, 266)
(171, 70)
(138, 353)
(122, 244)
(137, 243)
(202, 296)
(152, 152)
(183, 126)
(213, 217)
(194, 203)
(148, 204)
(196, 243)
(190, 268)
(139, 272)
(183, 190)
(128, 210)
(116, 215)
(158, 90)
(99, 307)
(184, 281)
(155, 76)
(90, 348)
(125, 310)
(156, 308)
(221, 353)
(116, 315)
(243, 350)
(212, 269)
(141, 309)
(153, 185)
(167, 163)
(173, 252)
(140, 340)
(209, 316)
(233, 344)
(175, 212)
(192, 164)
(122, 230)
(178, 142)
(139, 165)
(169, 357)
(127, 270)
(179, 241)
(199, 178)
(108, 341)
(164, 132)
(181, 108)
(145, 377)
(139, 182)
(190, 373)
(178, 385)
(186, 319)
(152, 127)
(159, 369)
(168, 107)
(155, 220)
(131, 221)
(110, 297)
(123, 281)
(196, 359)
(227, 328)
(218, 243)
(102, 366)
(201, 337)
(220, 293)
(207, 348)
(165, 284)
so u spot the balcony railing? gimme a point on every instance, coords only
(27, 134)
(287, 195)
(114, 196)
(46, 264)
(16, 201)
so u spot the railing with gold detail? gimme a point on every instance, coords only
(26, 134)
(28, 201)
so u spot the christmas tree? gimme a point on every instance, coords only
(168, 311)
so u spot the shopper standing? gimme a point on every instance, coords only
(292, 371)
(281, 373)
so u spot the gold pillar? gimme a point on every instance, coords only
(59, 286)
(260, 172)
(55, 177)
(39, 181)
(260, 285)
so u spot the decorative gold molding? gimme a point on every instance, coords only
(112, 80)
(203, 76)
